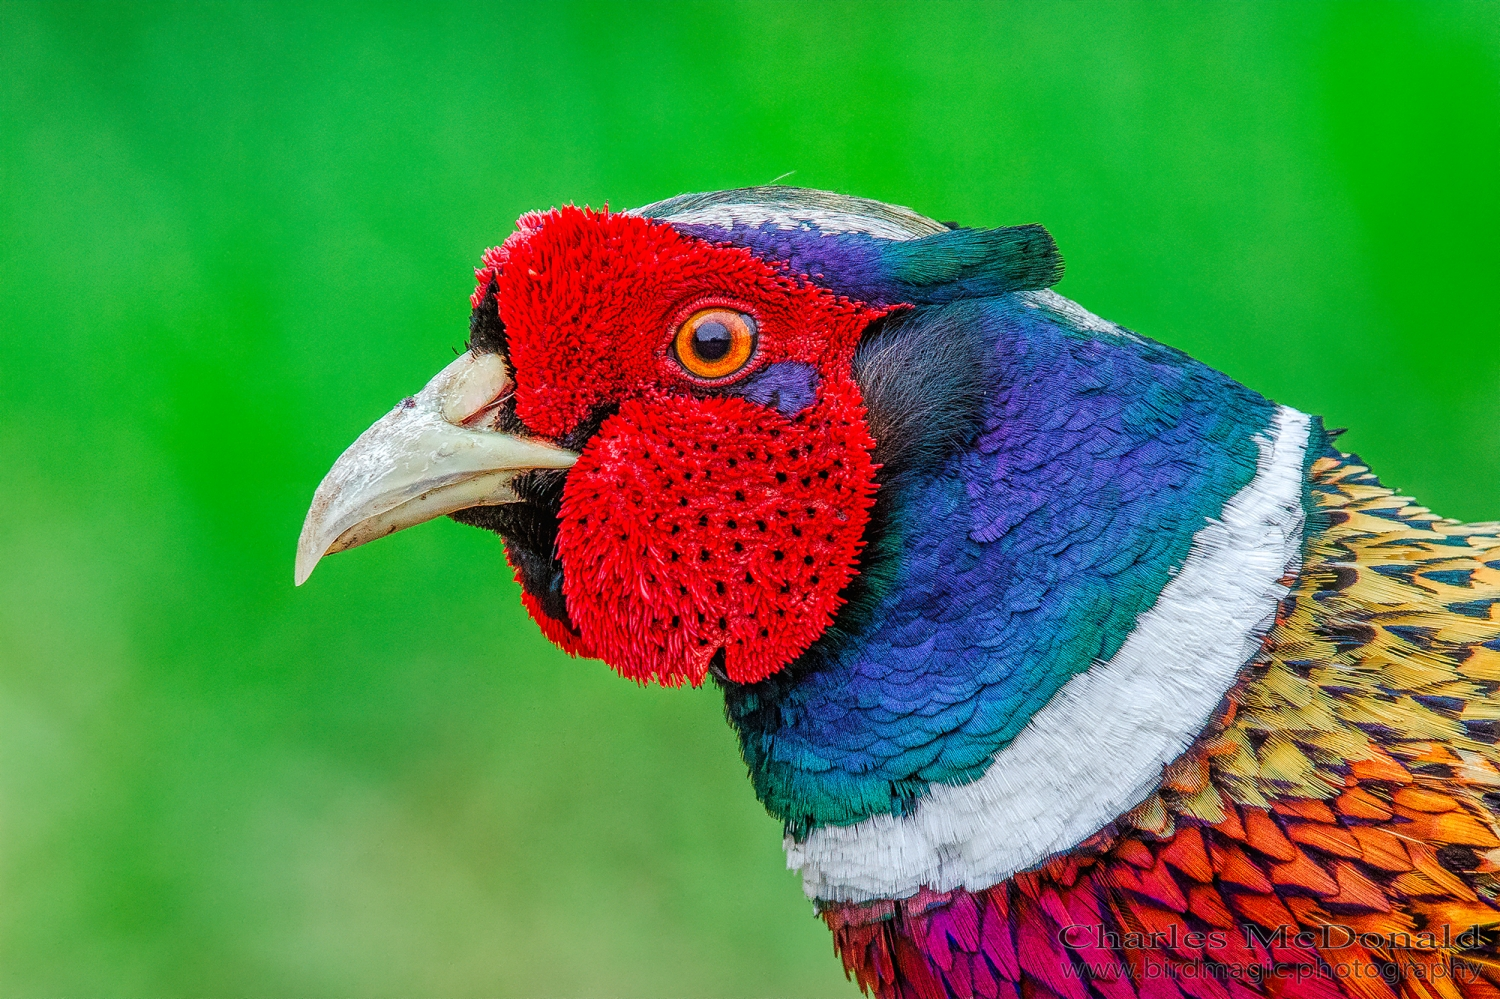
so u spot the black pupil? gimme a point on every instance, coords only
(711, 340)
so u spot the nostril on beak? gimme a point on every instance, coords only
(476, 383)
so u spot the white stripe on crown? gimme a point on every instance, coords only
(793, 208)
(1097, 748)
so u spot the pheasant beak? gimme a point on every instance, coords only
(435, 453)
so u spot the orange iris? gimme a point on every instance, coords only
(715, 342)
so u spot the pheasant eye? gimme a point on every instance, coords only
(715, 343)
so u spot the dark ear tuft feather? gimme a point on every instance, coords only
(880, 254)
(974, 263)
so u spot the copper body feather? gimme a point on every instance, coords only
(1334, 832)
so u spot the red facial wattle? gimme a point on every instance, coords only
(695, 520)
(694, 525)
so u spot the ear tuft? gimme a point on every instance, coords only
(942, 265)
(974, 263)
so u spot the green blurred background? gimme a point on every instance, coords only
(233, 235)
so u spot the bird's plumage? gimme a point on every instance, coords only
(1346, 790)
(1070, 666)
(1005, 568)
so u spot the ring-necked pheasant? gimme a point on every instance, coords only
(1072, 667)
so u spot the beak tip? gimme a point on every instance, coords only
(309, 554)
(420, 461)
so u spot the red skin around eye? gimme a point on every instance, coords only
(692, 521)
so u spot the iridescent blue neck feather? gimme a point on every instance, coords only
(1001, 564)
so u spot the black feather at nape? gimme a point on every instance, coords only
(486, 330)
(924, 375)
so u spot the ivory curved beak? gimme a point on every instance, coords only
(430, 456)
